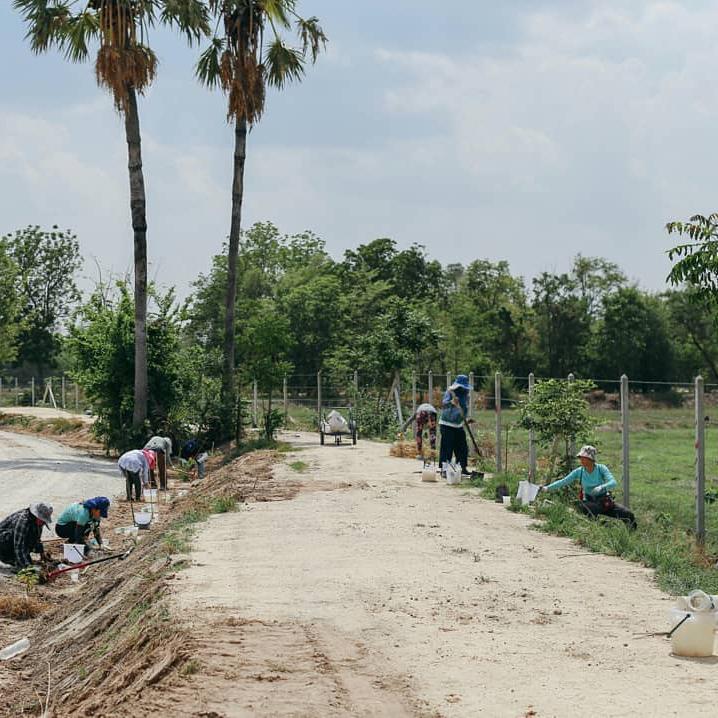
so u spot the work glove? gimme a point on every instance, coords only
(597, 491)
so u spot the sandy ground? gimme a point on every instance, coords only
(35, 469)
(43, 412)
(394, 597)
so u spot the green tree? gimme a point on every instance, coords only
(558, 413)
(101, 342)
(237, 62)
(9, 305)
(693, 321)
(47, 262)
(125, 65)
(633, 338)
(562, 325)
(264, 345)
(696, 261)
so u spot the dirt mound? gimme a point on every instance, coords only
(109, 638)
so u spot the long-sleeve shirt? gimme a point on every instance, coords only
(81, 516)
(452, 415)
(161, 443)
(21, 532)
(599, 477)
(136, 462)
(424, 408)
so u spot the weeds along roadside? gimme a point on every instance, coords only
(681, 565)
(116, 634)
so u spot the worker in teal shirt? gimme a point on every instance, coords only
(596, 484)
(80, 519)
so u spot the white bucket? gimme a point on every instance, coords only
(506, 500)
(73, 552)
(696, 635)
(150, 494)
(143, 519)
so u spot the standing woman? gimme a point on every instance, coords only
(454, 409)
(80, 519)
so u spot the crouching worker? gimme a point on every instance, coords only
(20, 535)
(454, 408)
(424, 418)
(596, 483)
(79, 520)
(135, 467)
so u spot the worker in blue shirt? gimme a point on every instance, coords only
(596, 483)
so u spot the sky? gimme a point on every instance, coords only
(524, 130)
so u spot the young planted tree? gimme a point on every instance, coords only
(238, 62)
(125, 65)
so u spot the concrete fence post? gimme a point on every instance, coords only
(471, 394)
(448, 380)
(319, 396)
(700, 461)
(32, 391)
(77, 397)
(625, 435)
(413, 392)
(356, 382)
(532, 436)
(255, 403)
(572, 445)
(285, 394)
(63, 391)
(497, 409)
(430, 399)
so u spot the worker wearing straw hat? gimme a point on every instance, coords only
(596, 484)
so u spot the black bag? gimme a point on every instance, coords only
(501, 491)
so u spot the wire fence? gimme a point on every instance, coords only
(57, 392)
(656, 437)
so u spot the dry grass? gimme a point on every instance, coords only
(21, 607)
(403, 449)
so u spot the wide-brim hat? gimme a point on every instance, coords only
(42, 511)
(588, 452)
(461, 382)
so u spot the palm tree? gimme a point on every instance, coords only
(126, 66)
(238, 63)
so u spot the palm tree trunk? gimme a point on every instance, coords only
(139, 227)
(240, 154)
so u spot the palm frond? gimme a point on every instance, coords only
(75, 35)
(312, 36)
(284, 64)
(45, 20)
(279, 11)
(118, 69)
(190, 17)
(208, 69)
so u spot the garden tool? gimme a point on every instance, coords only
(54, 574)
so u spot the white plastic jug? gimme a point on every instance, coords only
(695, 636)
(453, 473)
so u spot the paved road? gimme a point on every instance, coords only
(35, 469)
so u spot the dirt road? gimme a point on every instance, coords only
(34, 469)
(395, 598)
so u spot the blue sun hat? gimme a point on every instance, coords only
(102, 503)
(461, 382)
